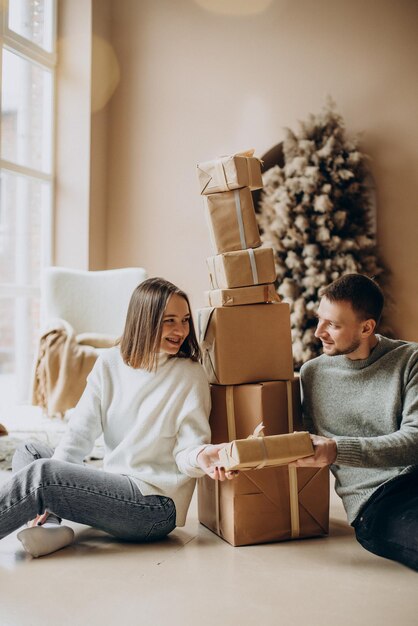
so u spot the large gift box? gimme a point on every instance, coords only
(241, 295)
(256, 452)
(238, 409)
(270, 504)
(232, 221)
(243, 344)
(230, 172)
(242, 268)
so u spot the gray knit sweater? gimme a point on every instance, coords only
(370, 407)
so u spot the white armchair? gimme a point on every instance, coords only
(81, 313)
(91, 301)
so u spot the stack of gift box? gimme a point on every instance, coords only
(245, 338)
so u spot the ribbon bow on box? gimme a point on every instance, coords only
(258, 451)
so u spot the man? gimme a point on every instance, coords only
(360, 398)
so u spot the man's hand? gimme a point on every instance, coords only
(325, 453)
(208, 460)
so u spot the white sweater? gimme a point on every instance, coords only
(154, 424)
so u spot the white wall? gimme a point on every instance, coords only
(196, 84)
(73, 94)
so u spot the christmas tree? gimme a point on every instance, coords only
(315, 211)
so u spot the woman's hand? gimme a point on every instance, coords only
(208, 460)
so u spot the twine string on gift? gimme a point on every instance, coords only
(230, 412)
(263, 452)
(294, 502)
(253, 265)
(213, 273)
(238, 209)
(230, 420)
(258, 431)
(249, 172)
(289, 394)
(266, 293)
(259, 435)
(293, 475)
(220, 176)
(218, 508)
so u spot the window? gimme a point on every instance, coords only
(27, 65)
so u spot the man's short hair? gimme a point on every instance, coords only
(364, 295)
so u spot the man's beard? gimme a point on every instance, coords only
(351, 348)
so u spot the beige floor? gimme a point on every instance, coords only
(196, 578)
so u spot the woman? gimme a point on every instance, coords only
(150, 398)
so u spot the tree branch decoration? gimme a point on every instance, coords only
(315, 211)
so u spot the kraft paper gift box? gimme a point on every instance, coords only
(238, 409)
(230, 172)
(242, 268)
(243, 344)
(266, 505)
(256, 452)
(241, 295)
(231, 220)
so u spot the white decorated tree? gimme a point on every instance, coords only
(315, 212)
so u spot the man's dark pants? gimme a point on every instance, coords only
(388, 523)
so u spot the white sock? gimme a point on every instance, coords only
(41, 540)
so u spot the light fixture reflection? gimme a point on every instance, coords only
(235, 7)
(105, 73)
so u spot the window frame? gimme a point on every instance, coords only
(35, 54)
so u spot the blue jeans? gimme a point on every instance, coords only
(388, 523)
(83, 494)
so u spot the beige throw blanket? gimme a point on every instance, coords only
(63, 363)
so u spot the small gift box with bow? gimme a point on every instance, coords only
(241, 295)
(242, 169)
(258, 451)
(242, 268)
(231, 220)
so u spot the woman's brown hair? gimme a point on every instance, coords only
(141, 338)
